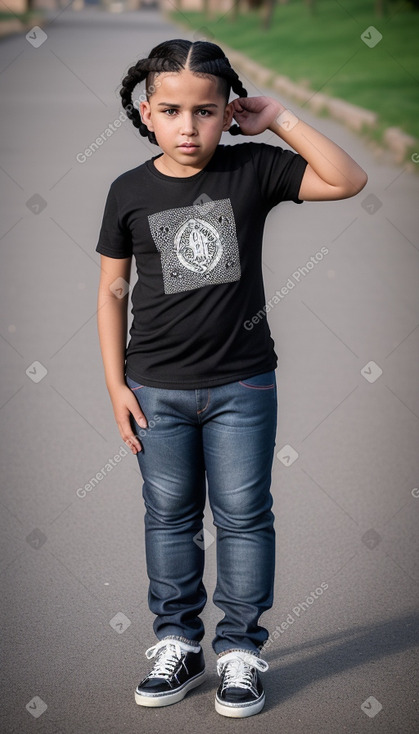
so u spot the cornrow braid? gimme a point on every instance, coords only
(201, 57)
(221, 67)
(135, 75)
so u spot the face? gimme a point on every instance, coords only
(187, 114)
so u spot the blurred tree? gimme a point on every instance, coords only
(381, 8)
(235, 8)
(268, 14)
(311, 4)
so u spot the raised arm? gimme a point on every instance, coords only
(330, 174)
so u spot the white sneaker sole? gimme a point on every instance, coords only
(240, 711)
(165, 699)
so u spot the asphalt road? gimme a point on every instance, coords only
(74, 587)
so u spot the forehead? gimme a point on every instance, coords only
(185, 85)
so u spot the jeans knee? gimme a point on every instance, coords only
(244, 522)
(174, 516)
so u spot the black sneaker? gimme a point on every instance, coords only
(240, 692)
(178, 668)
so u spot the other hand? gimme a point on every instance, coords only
(255, 114)
(125, 406)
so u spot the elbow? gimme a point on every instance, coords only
(356, 185)
(360, 183)
(363, 180)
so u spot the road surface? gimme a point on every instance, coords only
(342, 651)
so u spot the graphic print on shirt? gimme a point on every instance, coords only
(197, 244)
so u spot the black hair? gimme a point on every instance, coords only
(203, 58)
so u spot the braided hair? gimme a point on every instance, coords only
(202, 58)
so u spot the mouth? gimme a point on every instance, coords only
(188, 147)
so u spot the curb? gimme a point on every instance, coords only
(7, 27)
(15, 25)
(356, 118)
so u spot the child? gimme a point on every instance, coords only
(199, 385)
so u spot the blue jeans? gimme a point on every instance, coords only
(228, 433)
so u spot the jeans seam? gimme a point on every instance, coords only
(256, 387)
(208, 402)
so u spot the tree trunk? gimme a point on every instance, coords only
(268, 13)
(380, 8)
(235, 10)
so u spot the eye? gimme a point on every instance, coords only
(204, 113)
(169, 111)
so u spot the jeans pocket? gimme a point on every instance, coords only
(132, 384)
(264, 381)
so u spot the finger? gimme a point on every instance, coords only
(237, 106)
(134, 409)
(139, 417)
(133, 444)
(239, 115)
(129, 438)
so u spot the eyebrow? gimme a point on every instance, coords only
(177, 106)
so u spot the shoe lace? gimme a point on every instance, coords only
(168, 656)
(237, 669)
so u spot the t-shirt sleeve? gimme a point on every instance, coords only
(114, 236)
(279, 172)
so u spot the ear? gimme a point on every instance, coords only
(145, 112)
(228, 116)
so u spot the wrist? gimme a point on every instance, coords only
(278, 109)
(114, 385)
(284, 122)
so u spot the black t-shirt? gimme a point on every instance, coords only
(197, 243)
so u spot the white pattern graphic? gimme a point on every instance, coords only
(197, 247)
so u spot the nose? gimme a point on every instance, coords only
(187, 124)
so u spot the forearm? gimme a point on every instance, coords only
(112, 328)
(326, 158)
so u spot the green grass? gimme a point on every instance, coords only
(326, 50)
(23, 17)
